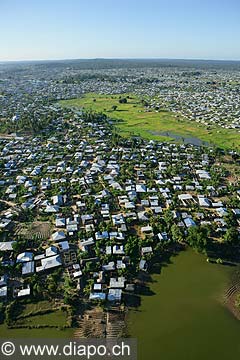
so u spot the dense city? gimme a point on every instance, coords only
(86, 213)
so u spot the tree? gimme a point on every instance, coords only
(132, 247)
(88, 288)
(1, 313)
(176, 233)
(168, 218)
(231, 236)
(197, 237)
(123, 101)
(231, 219)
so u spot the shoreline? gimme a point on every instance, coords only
(231, 306)
(231, 293)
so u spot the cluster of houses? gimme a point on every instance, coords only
(211, 98)
(207, 95)
(97, 195)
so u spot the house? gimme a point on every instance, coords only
(97, 296)
(157, 209)
(129, 205)
(116, 235)
(147, 230)
(58, 236)
(109, 267)
(7, 245)
(236, 212)
(97, 287)
(71, 227)
(103, 235)
(186, 199)
(76, 271)
(189, 222)
(57, 200)
(28, 268)
(60, 222)
(203, 174)
(141, 188)
(222, 211)
(146, 250)
(24, 291)
(51, 250)
(117, 282)
(130, 287)
(49, 263)
(108, 250)
(203, 201)
(118, 219)
(81, 205)
(4, 223)
(52, 209)
(162, 236)
(145, 203)
(63, 246)
(120, 264)
(118, 250)
(87, 219)
(115, 295)
(3, 291)
(87, 242)
(24, 257)
(3, 280)
(142, 216)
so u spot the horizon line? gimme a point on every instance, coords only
(117, 58)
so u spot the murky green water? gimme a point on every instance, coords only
(185, 320)
(185, 139)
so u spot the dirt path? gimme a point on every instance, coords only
(97, 323)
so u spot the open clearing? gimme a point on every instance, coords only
(41, 333)
(38, 319)
(132, 119)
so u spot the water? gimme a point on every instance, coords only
(185, 319)
(186, 140)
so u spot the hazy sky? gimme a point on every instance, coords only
(64, 29)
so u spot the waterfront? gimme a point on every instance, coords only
(185, 139)
(185, 319)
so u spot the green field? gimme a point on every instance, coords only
(41, 333)
(30, 322)
(132, 119)
(56, 318)
(34, 307)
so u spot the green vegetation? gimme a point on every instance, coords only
(133, 119)
(43, 333)
(35, 307)
(35, 315)
(56, 318)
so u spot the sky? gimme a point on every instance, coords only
(74, 29)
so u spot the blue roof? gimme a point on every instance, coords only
(97, 296)
(189, 222)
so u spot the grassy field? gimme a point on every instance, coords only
(56, 318)
(51, 333)
(134, 120)
(52, 322)
(35, 307)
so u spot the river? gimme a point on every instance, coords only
(184, 318)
